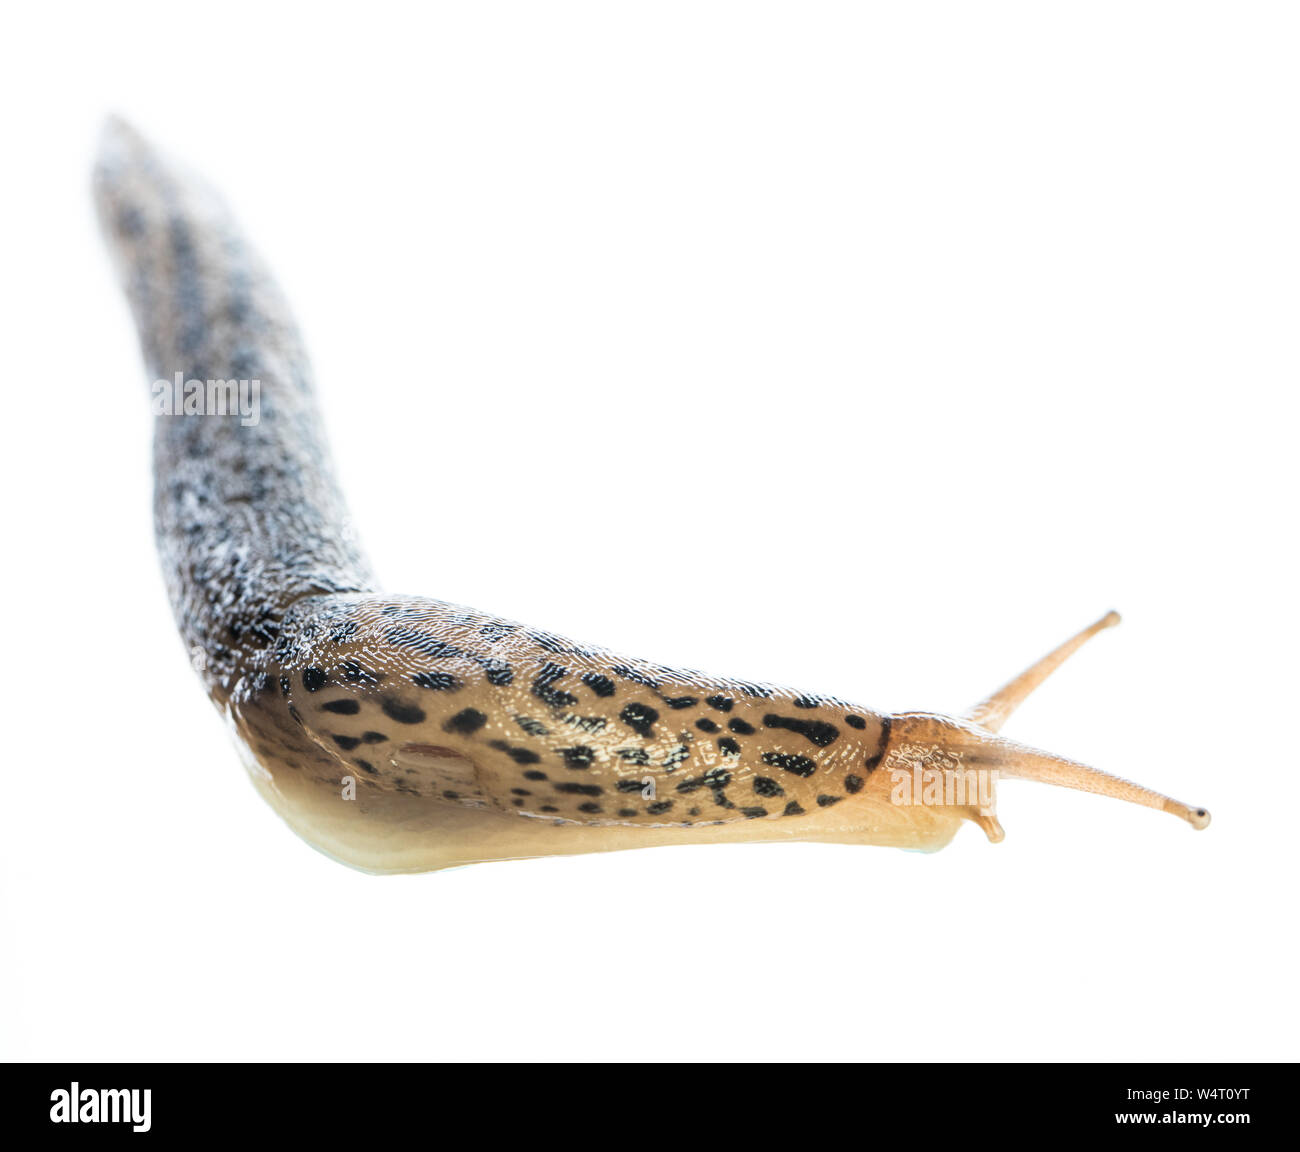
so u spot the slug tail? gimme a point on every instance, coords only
(247, 514)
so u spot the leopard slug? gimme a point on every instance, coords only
(398, 733)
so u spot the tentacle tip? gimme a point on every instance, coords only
(1110, 619)
(1198, 818)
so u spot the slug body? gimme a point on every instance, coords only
(400, 733)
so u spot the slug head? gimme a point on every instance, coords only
(961, 758)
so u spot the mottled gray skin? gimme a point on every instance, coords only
(248, 519)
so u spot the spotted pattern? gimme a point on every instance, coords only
(727, 738)
(466, 722)
(325, 676)
(791, 762)
(819, 732)
(640, 718)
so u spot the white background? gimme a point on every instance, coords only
(898, 341)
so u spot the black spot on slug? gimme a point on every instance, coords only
(313, 679)
(794, 808)
(535, 775)
(677, 702)
(578, 757)
(753, 813)
(498, 672)
(347, 743)
(706, 725)
(718, 778)
(853, 784)
(403, 713)
(518, 755)
(827, 801)
(466, 722)
(855, 722)
(579, 789)
(354, 673)
(818, 731)
(601, 685)
(789, 762)
(542, 689)
(659, 807)
(436, 681)
(341, 707)
(766, 786)
(531, 726)
(677, 756)
(721, 703)
(741, 727)
(640, 718)
(872, 761)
